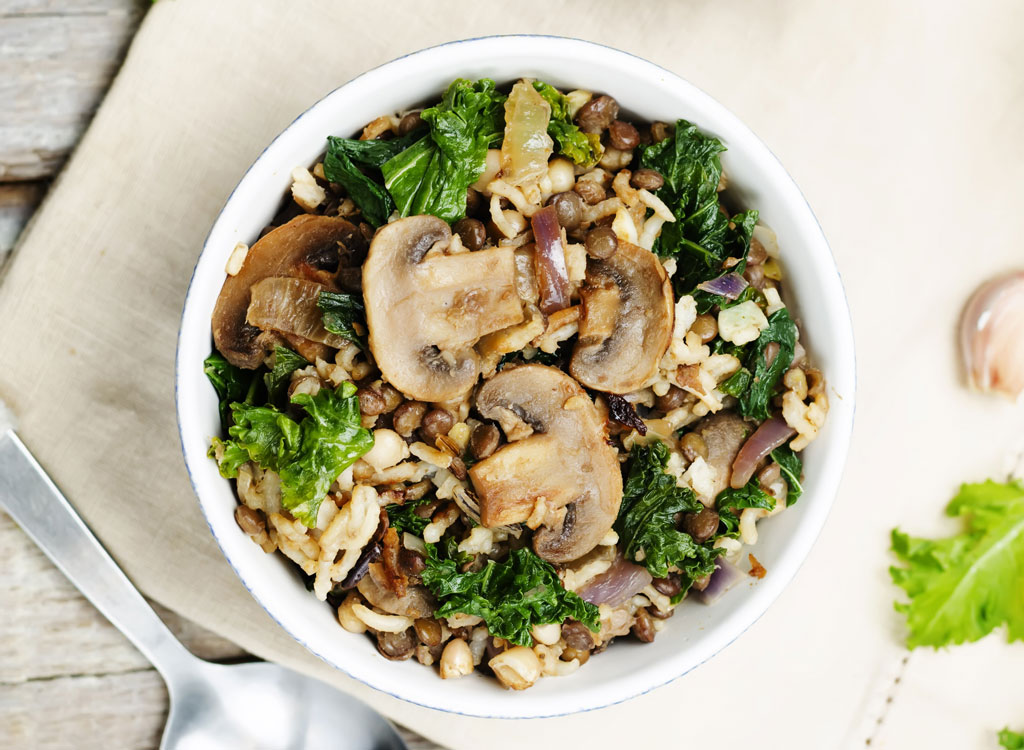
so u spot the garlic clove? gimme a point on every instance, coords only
(992, 336)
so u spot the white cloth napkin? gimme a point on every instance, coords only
(901, 122)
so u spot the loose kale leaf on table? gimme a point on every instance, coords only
(651, 500)
(1011, 740)
(962, 587)
(510, 596)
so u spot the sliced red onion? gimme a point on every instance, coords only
(617, 584)
(729, 285)
(766, 438)
(370, 554)
(549, 261)
(726, 576)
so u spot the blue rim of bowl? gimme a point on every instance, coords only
(639, 693)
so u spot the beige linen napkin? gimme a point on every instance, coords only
(901, 123)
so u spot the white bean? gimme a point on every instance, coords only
(456, 659)
(547, 634)
(388, 450)
(518, 668)
(561, 175)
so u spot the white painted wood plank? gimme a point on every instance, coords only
(88, 712)
(47, 629)
(18, 201)
(68, 678)
(55, 65)
(68, 8)
(126, 711)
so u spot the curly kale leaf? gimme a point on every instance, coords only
(431, 176)
(702, 237)
(285, 363)
(646, 525)
(308, 455)
(583, 148)
(231, 383)
(755, 388)
(510, 596)
(730, 503)
(962, 587)
(355, 165)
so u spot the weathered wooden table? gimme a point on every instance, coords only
(68, 679)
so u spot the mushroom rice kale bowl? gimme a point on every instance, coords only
(510, 377)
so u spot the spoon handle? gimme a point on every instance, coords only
(42, 511)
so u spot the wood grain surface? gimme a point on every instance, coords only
(68, 678)
(56, 62)
(18, 201)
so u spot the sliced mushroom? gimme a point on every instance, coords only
(724, 434)
(425, 310)
(514, 477)
(565, 460)
(626, 321)
(306, 247)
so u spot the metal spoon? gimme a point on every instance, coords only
(213, 706)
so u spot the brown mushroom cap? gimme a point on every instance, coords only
(626, 321)
(425, 310)
(724, 434)
(566, 460)
(306, 247)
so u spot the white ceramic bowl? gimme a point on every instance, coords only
(756, 178)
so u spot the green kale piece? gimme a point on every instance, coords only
(963, 587)
(431, 175)
(583, 148)
(646, 525)
(510, 596)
